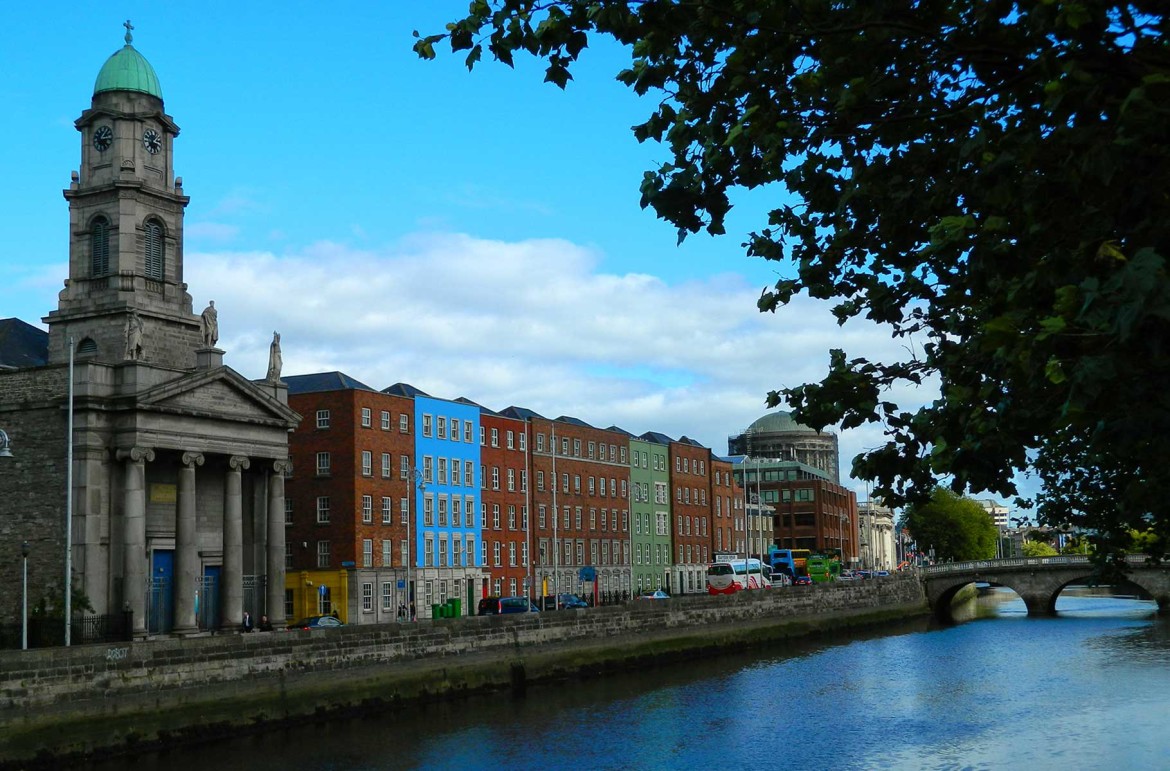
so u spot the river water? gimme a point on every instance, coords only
(1089, 689)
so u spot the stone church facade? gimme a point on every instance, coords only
(176, 487)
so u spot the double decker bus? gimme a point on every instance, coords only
(735, 575)
(791, 562)
(824, 566)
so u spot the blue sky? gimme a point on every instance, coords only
(474, 234)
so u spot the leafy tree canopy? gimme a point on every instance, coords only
(955, 527)
(1038, 549)
(985, 177)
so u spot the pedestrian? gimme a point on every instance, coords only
(247, 625)
(265, 624)
(412, 616)
(401, 611)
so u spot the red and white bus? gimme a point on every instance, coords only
(731, 576)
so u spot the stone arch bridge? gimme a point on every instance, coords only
(1038, 580)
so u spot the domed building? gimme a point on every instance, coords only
(794, 470)
(168, 465)
(778, 436)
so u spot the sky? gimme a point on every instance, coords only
(473, 234)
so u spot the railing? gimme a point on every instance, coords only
(1020, 562)
(50, 632)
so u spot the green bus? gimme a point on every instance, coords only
(824, 566)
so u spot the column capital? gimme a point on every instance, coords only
(136, 454)
(238, 462)
(192, 458)
(281, 467)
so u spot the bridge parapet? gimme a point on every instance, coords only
(1013, 562)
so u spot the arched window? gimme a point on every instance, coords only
(154, 250)
(99, 247)
(87, 347)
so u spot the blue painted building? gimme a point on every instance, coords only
(447, 534)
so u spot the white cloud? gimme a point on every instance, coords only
(531, 323)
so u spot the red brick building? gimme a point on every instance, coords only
(692, 534)
(346, 498)
(580, 503)
(504, 504)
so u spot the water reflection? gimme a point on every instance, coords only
(1087, 689)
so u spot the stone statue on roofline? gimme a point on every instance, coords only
(275, 362)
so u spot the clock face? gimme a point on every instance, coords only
(103, 137)
(151, 141)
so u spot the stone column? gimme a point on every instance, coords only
(186, 548)
(134, 567)
(233, 544)
(275, 573)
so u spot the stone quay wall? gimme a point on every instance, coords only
(99, 699)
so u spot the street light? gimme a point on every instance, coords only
(416, 477)
(24, 548)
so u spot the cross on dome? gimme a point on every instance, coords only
(128, 26)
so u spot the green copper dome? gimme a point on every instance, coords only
(127, 70)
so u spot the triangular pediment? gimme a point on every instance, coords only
(219, 393)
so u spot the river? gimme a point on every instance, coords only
(1089, 689)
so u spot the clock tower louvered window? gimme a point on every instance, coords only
(100, 247)
(154, 251)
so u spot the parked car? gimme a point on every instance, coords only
(657, 594)
(802, 581)
(495, 606)
(570, 601)
(848, 575)
(317, 622)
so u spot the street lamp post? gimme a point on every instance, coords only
(24, 549)
(414, 479)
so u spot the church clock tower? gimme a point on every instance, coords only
(125, 298)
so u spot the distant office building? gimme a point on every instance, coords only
(996, 510)
(876, 523)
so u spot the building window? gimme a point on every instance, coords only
(442, 511)
(387, 596)
(288, 511)
(404, 467)
(322, 418)
(468, 474)
(99, 244)
(404, 423)
(385, 465)
(540, 442)
(442, 421)
(386, 513)
(288, 557)
(428, 469)
(367, 552)
(496, 516)
(367, 463)
(323, 510)
(469, 512)
(495, 477)
(367, 509)
(322, 464)
(366, 417)
(385, 420)
(442, 471)
(467, 429)
(428, 510)
(511, 440)
(454, 429)
(496, 553)
(540, 481)
(322, 554)
(512, 554)
(155, 251)
(511, 480)
(426, 427)
(495, 437)
(523, 443)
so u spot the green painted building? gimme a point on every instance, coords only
(650, 504)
